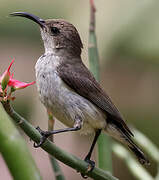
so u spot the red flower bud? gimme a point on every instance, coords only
(4, 79)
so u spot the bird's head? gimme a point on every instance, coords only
(57, 34)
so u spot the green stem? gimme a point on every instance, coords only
(105, 153)
(104, 143)
(53, 150)
(55, 166)
(93, 55)
(57, 170)
(15, 152)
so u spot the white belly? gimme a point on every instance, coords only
(63, 102)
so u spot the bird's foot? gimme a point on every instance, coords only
(91, 165)
(44, 134)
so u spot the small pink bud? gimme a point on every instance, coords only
(4, 79)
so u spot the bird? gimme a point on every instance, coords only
(69, 90)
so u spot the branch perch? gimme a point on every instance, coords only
(53, 150)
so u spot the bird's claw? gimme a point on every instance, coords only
(44, 134)
(40, 130)
(91, 165)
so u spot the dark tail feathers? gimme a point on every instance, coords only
(119, 132)
(139, 154)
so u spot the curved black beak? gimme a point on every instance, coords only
(34, 18)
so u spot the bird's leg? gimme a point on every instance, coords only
(88, 157)
(46, 134)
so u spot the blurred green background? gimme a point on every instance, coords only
(128, 41)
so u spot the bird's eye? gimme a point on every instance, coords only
(55, 30)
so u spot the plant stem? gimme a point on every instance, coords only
(104, 143)
(15, 152)
(53, 150)
(105, 152)
(56, 168)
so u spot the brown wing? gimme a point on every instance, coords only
(79, 78)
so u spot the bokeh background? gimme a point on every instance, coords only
(128, 41)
